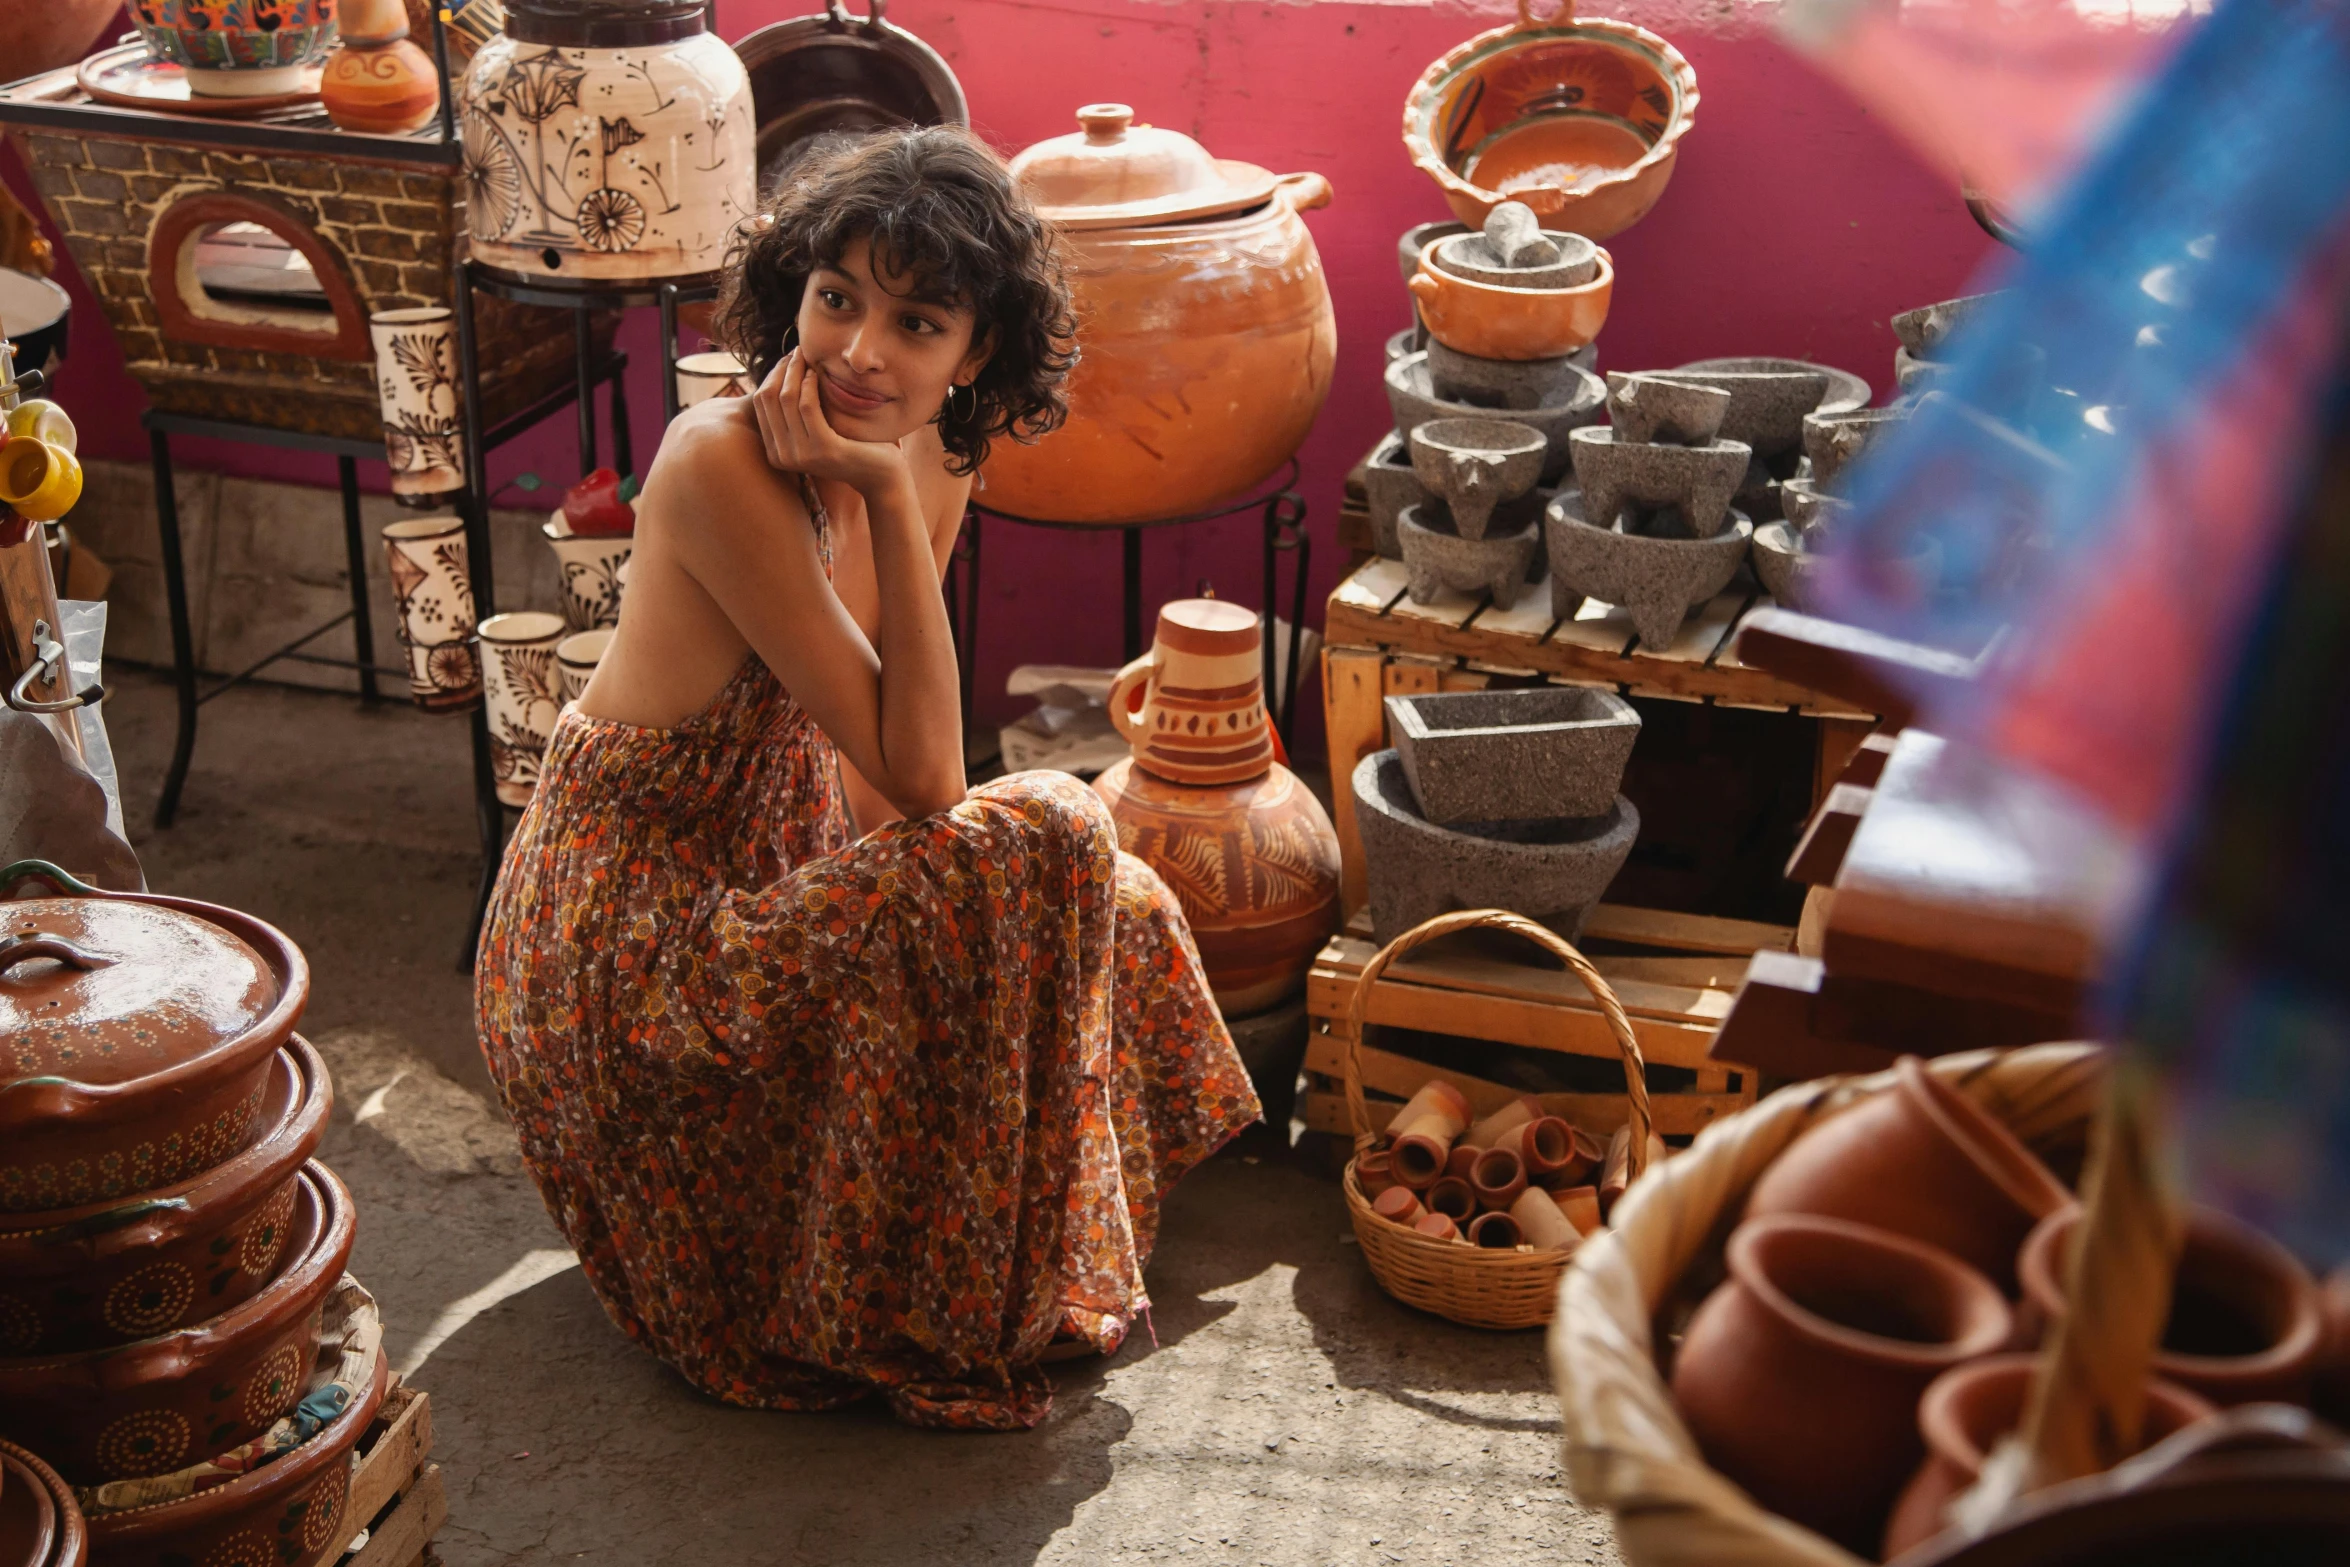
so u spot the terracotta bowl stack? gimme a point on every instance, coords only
(1859, 1362)
(167, 1245)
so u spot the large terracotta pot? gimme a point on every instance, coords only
(1204, 326)
(165, 1402)
(1579, 119)
(1923, 1161)
(41, 35)
(110, 1272)
(290, 1512)
(141, 1030)
(1964, 1415)
(2245, 1324)
(1800, 1376)
(40, 1523)
(606, 140)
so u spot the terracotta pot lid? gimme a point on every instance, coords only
(1117, 174)
(100, 991)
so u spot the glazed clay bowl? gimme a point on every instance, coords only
(159, 1404)
(233, 49)
(1495, 322)
(2245, 1321)
(1965, 1414)
(1923, 1161)
(1579, 120)
(110, 1272)
(143, 1029)
(290, 1512)
(1800, 1376)
(40, 1523)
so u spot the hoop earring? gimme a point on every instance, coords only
(947, 411)
(791, 340)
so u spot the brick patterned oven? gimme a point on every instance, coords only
(379, 218)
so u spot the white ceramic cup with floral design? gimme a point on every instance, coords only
(576, 658)
(591, 573)
(432, 589)
(701, 377)
(520, 684)
(416, 388)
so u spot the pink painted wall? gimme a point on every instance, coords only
(1794, 225)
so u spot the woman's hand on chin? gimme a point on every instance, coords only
(799, 439)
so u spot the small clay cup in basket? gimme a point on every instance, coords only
(110, 1272)
(1474, 1286)
(140, 1031)
(162, 1403)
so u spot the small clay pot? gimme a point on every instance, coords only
(1374, 1172)
(2245, 1324)
(1437, 1227)
(1541, 1224)
(1615, 1175)
(1422, 1133)
(1398, 1205)
(1922, 1160)
(1546, 1145)
(1497, 1177)
(1800, 1376)
(1495, 1232)
(1488, 1132)
(1453, 1197)
(1496, 322)
(1462, 1159)
(1580, 1204)
(1964, 1415)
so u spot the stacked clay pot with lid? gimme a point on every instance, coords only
(1204, 326)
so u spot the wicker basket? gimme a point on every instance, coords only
(1470, 1285)
(1625, 1446)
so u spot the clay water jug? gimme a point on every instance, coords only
(1247, 849)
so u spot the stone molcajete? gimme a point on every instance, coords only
(1768, 400)
(1438, 559)
(1473, 301)
(1784, 564)
(1475, 465)
(1650, 408)
(1834, 440)
(1245, 847)
(1923, 331)
(1655, 581)
(1661, 490)
(1505, 385)
(1513, 251)
(1550, 870)
(1481, 756)
(1411, 395)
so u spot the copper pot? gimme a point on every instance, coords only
(140, 1031)
(40, 1523)
(166, 1402)
(1204, 329)
(291, 1512)
(110, 1272)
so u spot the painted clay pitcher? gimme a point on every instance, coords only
(1193, 707)
(606, 139)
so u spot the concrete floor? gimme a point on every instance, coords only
(1288, 1413)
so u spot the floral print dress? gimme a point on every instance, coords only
(825, 1119)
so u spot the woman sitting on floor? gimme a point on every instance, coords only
(826, 1114)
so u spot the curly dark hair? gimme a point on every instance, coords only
(940, 208)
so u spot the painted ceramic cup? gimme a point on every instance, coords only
(416, 387)
(237, 48)
(520, 685)
(576, 658)
(1193, 707)
(701, 377)
(39, 480)
(591, 568)
(432, 586)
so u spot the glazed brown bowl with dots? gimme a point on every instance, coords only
(162, 1403)
(136, 1034)
(111, 1272)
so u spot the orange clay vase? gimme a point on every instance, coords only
(1579, 119)
(1204, 326)
(378, 81)
(1246, 848)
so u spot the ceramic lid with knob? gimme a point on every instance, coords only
(1113, 173)
(105, 992)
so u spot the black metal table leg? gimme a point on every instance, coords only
(1133, 538)
(583, 348)
(490, 814)
(355, 557)
(183, 641)
(1285, 516)
(475, 507)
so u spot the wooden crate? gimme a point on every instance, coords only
(1675, 985)
(1379, 643)
(398, 1501)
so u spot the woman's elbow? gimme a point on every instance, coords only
(931, 796)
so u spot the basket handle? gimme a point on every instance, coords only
(1635, 1068)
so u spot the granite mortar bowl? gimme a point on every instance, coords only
(1476, 464)
(1506, 385)
(1412, 397)
(1551, 871)
(1924, 330)
(1769, 397)
(1694, 482)
(1783, 565)
(1655, 581)
(1834, 441)
(1471, 256)
(1483, 756)
(1389, 485)
(1645, 407)
(1438, 558)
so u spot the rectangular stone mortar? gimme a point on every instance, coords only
(1483, 756)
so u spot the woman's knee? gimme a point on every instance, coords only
(1058, 808)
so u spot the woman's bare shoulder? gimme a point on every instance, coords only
(713, 468)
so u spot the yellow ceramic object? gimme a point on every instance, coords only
(39, 480)
(1493, 322)
(44, 421)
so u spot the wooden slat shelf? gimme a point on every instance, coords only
(398, 1501)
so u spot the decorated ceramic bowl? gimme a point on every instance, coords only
(162, 1403)
(238, 48)
(293, 1511)
(136, 1034)
(110, 1272)
(40, 1523)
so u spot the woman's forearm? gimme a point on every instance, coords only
(921, 706)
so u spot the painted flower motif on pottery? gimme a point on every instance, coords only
(416, 387)
(245, 1548)
(144, 1442)
(257, 1253)
(594, 587)
(20, 1326)
(1286, 863)
(317, 1513)
(607, 163)
(150, 1300)
(275, 1385)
